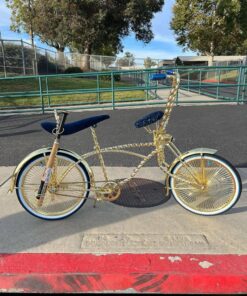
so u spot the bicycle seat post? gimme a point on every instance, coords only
(56, 115)
(60, 125)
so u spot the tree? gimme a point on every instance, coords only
(149, 63)
(45, 19)
(178, 62)
(213, 27)
(96, 24)
(89, 26)
(52, 24)
(23, 15)
(127, 60)
(235, 14)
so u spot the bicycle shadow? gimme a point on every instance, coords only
(21, 232)
(20, 133)
(17, 122)
(237, 210)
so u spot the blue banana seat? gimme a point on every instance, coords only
(149, 119)
(76, 126)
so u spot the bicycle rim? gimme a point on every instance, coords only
(67, 190)
(209, 185)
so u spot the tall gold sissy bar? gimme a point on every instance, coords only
(53, 183)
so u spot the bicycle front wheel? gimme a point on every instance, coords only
(67, 190)
(205, 184)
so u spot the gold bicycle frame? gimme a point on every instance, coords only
(161, 141)
(200, 182)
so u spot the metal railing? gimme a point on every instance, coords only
(42, 93)
(218, 82)
(18, 57)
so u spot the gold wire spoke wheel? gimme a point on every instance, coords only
(205, 184)
(67, 190)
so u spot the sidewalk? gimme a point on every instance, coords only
(159, 248)
(110, 228)
(116, 248)
(190, 98)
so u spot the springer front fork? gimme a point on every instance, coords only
(47, 173)
(50, 163)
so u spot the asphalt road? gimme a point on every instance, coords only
(219, 127)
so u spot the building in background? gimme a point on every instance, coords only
(204, 60)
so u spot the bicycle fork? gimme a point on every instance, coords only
(50, 163)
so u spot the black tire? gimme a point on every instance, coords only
(220, 186)
(66, 204)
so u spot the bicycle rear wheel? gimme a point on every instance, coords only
(67, 190)
(205, 184)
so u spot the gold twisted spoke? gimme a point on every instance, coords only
(183, 177)
(59, 200)
(184, 188)
(217, 185)
(218, 172)
(189, 167)
(203, 170)
(29, 187)
(180, 178)
(66, 171)
(219, 194)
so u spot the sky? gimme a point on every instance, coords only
(163, 46)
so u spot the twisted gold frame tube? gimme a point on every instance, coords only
(189, 179)
(160, 140)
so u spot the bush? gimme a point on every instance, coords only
(117, 77)
(70, 70)
(45, 66)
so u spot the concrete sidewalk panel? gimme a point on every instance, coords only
(122, 229)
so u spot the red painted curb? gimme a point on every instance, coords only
(46, 273)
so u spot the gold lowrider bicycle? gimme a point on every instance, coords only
(53, 183)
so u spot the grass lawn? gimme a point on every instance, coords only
(65, 85)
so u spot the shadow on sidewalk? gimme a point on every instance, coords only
(21, 231)
(20, 133)
(15, 122)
